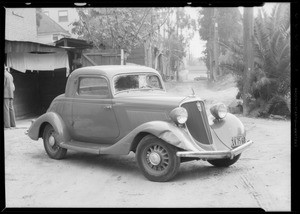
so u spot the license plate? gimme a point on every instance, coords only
(237, 141)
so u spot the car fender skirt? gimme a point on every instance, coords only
(166, 131)
(55, 121)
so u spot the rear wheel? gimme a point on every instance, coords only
(157, 159)
(51, 146)
(224, 162)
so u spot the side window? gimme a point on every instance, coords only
(55, 37)
(94, 86)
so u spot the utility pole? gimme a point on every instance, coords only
(248, 57)
(216, 45)
(151, 34)
(210, 48)
(177, 64)
(177, 21)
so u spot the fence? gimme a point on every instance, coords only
(100, 58)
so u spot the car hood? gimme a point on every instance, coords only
(134, 109)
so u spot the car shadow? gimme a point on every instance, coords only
(188, 171)
(196, 170)
(120, 163)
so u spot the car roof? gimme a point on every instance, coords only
(108, 71)
(112, 70)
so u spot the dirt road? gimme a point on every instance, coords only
(261, 178)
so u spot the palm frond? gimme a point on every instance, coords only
(236, 67)
(262, 35)
(258, 51)
(233, 47)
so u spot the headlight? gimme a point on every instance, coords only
(179, 115)
(219, 111)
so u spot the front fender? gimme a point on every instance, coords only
(166, 131)
(225, 129)
(55, 121)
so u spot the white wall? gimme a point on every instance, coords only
(20, 24)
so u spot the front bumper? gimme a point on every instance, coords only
(215, 154)
(26, 132)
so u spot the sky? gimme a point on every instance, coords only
(197, 45)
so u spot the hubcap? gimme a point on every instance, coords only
(51, 140)
(157, 158)
(154, 158)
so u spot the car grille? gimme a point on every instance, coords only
(197, 122)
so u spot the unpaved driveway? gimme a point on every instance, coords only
(261, 178)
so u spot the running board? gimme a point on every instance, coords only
(93, 148)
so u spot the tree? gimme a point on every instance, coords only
(248, 57)
(127, 28)
(270, 79)
(117, 28)
(153, 42)
(205, 31)
(185, 28)
(229, 28)
(175, 38)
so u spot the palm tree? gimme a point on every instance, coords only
(270, 80)
(272, 51)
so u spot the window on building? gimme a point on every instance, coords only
(55, 37)
(62, 16)
(46, 13)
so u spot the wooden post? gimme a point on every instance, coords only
(248, 57)
(122, 57)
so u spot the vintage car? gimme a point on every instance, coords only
(118, 109)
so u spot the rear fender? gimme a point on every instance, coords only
(166, 131)
(36, 129)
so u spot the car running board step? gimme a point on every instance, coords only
(93, 148)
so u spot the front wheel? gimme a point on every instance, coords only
(51, 145)
(157, 159)
(224, 162)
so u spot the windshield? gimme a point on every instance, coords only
(132, 82)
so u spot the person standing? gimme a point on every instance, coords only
(9, 88)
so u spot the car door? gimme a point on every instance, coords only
(93, 118)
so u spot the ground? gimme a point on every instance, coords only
(261, 178)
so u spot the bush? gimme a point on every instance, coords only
(279, 106)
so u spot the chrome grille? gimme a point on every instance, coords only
(197, 122)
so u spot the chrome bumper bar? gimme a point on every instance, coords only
(215, 154)
(32, 121)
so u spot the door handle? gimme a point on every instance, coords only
(108, 107)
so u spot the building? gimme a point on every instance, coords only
(48, 31)
(39, 70)
(63, 16)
